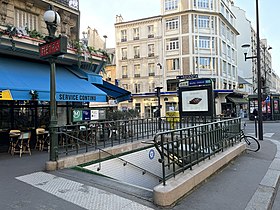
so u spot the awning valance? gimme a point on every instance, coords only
(114, 91)
(238, 100)
(19, 77)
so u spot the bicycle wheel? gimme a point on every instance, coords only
(252, 143)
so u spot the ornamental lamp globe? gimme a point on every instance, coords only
(52, 17)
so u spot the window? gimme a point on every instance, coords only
(123, 35)
(172, 84)
(151, 87)
(25, 19)
(124, 53)
(151, 68)
(136, 50)
(232, 38)
(232, 55)
(135, 33)
(151, 31)
(203, 63)
(172, 24)
(203, 4)
(138, 107)
(233, 71)
(171, 106)
(223, 9)
(173, 64)
(228, 34)
(151, 50)
(172, 44)
(223, 29)
(171, 5)
(229, 70)
(224, 48)
(202, 42)
(124, 72)
(224, 68)
(125, 86)
(227, 14)
(203, 21)
(228, 51)
(137, 70)
(137, 88)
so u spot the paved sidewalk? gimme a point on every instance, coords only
(25, 185)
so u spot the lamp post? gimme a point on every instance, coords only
(157, 89)
(246, 46)
(52, 19)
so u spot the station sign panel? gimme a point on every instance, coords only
(54, 48)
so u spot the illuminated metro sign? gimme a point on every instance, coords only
(55, 47)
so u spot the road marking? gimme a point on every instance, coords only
(79, 194)
(269, 135)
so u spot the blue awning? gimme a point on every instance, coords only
(114, 91)
(19, 77)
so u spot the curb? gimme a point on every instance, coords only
(183, 183)
(264, 196)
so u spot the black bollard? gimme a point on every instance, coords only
(256, 130)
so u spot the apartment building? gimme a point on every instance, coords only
(189, 37)
(248, 69)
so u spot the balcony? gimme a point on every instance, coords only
(136, 38)
(136, 75)
(151, 36)
(124, 76)
(124, 40)
(124, 58)
(151, 54)
(136, 56)
(74, 4)
(151, 74)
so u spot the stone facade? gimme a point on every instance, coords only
(33, 11)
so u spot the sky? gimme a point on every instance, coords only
(101, 15)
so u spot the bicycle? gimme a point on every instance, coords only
(252, 144)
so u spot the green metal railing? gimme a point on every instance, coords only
(85, 137)
(180, 149)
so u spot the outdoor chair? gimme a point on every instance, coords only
(22, 145)
(14, 135)
(42, 139)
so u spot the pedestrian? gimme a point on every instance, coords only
(241, 113)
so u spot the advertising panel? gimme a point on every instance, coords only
(194, 101)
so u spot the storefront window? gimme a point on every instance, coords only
(171, 106)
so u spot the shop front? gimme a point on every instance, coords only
(25, 95)
(270, 106)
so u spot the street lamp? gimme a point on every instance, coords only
(246, 47)
(52, 19)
